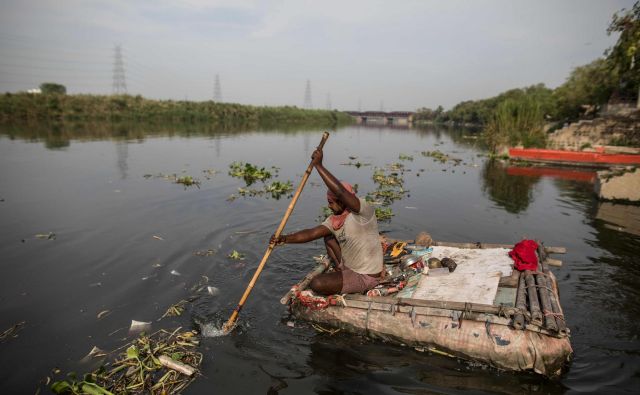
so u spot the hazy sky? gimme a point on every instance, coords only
(399, 54)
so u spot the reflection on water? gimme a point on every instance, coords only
(514, 194)
(86, 183)
(620, 217)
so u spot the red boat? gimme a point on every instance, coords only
(598, 158)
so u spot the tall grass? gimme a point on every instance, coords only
(516, 122)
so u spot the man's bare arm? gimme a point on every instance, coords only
(350, 200)
(302, 236)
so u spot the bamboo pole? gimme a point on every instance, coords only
(534, 304)
(438, 304)
(555, 304)
(302, 285)
(549, 250)
(545, 301)
(521, 304)
(228, 326)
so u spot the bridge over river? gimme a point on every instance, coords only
(384, 118)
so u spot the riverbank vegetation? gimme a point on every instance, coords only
(519, 116)
(56, 107)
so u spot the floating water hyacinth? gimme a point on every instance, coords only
(162, 363)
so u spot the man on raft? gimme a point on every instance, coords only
(350, 236)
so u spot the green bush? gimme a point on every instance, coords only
(51, 88)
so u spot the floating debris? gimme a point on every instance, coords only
(94, 353)
(163, 363)
(231, 198)
(213, 291)
(291, 324)
(13, 331)
(208, 173)
(103, 313)
(46, 236)
(235, 255)
(405, 157)
(175, 309)
(208, 252)
(157, 237)
(175, 273)
(139, 326)
(94, 285)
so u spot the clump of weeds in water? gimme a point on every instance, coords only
(405, 157)
(440, 156)
(384, 213)
(235, 255)
(386, 180)
(187, 181)
(277, 188)
(141, 367)
(250, 173)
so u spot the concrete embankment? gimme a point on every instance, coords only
(619, 185)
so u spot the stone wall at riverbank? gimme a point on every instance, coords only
(607, 130)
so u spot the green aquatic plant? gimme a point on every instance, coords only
(148, 365)
(235, 255)
(250, 173)
(187, 181)
(384, 213)
(405, 157)
(387, 180)
(277, 188)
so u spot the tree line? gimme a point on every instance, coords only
(519, 116)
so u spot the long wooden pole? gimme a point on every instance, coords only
(228, 326)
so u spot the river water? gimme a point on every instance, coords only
(128, 240)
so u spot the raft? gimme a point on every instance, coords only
(483, 311)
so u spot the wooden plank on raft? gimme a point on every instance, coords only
(459, 287)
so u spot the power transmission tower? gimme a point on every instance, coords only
(328, 103)
(359, 105)
(381, 105)
(119, 80)
(217, 90)
(307, 96)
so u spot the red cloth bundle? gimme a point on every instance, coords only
(524, 255)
